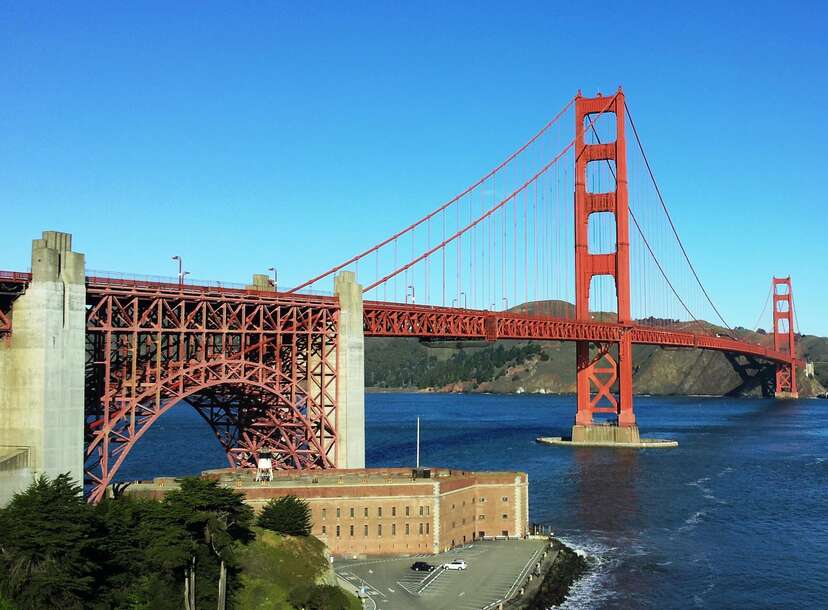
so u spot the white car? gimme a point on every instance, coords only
(457, 564)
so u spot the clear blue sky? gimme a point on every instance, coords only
(243, 136)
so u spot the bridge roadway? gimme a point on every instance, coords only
(383, 319)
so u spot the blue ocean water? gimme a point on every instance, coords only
(735, 517)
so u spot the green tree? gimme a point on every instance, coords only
(46, 538)
(213, 519)
(286, 515)
(143, 554)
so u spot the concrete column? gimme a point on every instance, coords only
(350, 390)
(42, 364)
(261, 282)
(435, 521)
(518, 507)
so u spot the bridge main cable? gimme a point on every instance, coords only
(446, 205)
(493, 209)
(670, 219)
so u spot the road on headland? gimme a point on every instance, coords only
(493, 568)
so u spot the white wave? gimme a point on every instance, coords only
(594, 587)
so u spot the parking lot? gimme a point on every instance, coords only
(493, 569)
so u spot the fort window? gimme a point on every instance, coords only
(505, 516)
(505, 498)
(407, 529)
(337, 513)
(337, 531)
(426, 528)
(421, 511)
(421, 528)
(366, 511)
(352, 530)
(379, 511)
(323, 530)
(379, 529)
(393, 511)
(324, 512)
(352, 512)
(365, 533)
(407, 511)
(393, 529)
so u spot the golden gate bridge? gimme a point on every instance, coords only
(568, 239)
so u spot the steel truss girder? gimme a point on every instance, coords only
(261, 371)
(400, 320)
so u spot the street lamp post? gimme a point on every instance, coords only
(180, 269)
(275, 278)
(464, 302)
(413, 300)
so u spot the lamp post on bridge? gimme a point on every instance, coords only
(181, 272)
(505, 303)
(413, 300)
(463, 301)
(275, 278)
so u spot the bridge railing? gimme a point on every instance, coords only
(140, 280)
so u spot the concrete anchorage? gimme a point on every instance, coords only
(350, 387)
(42, 370)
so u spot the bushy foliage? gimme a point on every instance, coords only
(286, 515)
(58, 551)
(46, 546)
(319, 597)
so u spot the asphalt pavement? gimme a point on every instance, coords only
(493, 568)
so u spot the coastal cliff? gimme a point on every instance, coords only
(547, 367)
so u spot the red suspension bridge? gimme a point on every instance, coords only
(505, 259)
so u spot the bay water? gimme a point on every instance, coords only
(735, 517)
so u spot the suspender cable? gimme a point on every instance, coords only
(669, 218)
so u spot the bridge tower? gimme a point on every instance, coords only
(42, 370)
(604, 381)
(783, 337)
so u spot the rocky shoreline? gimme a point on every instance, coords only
(550, 584)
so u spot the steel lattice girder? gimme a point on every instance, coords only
(271, 362)
(399, 320)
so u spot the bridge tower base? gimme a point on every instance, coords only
(42, 370)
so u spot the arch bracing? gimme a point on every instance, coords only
(261, 372)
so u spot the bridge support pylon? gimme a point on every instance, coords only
(604, 370)
(784, 339)
(42, 370)
(350, 356)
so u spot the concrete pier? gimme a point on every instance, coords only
(607, 435)
(42, 370)
(350, 393)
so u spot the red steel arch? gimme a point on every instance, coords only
(260, 369)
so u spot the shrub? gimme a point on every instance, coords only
(319, 597)
(286, 515)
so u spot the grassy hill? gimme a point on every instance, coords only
(549, 366)
(273, 565)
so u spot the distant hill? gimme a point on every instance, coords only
(549, 366)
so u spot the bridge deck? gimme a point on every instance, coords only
(427, 322)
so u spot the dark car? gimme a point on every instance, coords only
(421, 566)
